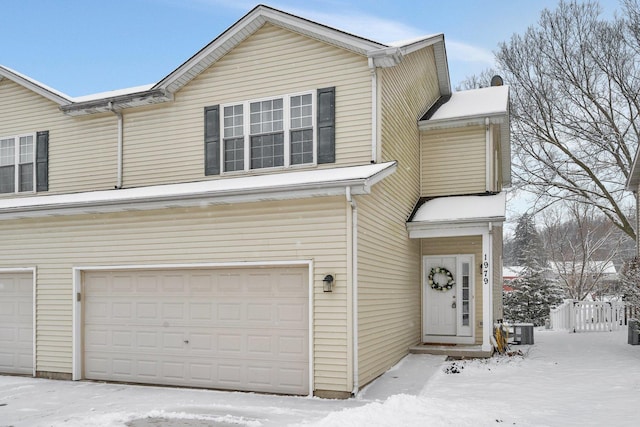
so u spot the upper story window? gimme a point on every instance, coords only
(17, 158)
(24, 163)
(283, 131)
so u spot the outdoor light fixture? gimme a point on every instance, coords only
(327, 283)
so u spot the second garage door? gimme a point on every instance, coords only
(238, 329)
(16, 323)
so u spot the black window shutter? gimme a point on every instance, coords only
(326, 125)
(212, 140)
(42, 161)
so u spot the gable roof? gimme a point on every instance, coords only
(378, 54)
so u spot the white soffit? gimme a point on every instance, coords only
(462, 209)
(278, 186)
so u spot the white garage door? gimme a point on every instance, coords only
(16, 323)
(238, 329)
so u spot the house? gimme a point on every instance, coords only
(633, 185)
(509, 274)
(289, 211)
(595, 279)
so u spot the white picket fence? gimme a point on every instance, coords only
(588, 316)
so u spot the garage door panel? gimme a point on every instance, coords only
(229, 328)
(16, 323)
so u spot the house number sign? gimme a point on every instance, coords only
(485, 270)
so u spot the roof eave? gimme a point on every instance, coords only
(498, 117)
(137, 99)
(120, 202)
(34, 87)
(428, 229)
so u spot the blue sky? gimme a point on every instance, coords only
(81, 47)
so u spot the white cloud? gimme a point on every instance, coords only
(468, 53)
(371, 27)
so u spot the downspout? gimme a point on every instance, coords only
(354, 286)
(120, 131)
(374, 111)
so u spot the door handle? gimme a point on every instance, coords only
(453, 305)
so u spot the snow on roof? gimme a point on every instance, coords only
(35, 84)
(512, 271)
(383, 55)
(486, 101)
(592, 266)
(407, 42)
(462, 209)
(278, 186)
(112, 93)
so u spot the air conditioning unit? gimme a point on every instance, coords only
(522, 333)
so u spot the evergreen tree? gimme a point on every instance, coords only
(527, 248)
(533, 295)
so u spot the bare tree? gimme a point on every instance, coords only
(575, 80)
(477, 81)
(582, 245)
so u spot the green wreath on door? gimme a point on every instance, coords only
(442, 287)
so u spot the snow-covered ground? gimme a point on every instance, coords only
(588, 379)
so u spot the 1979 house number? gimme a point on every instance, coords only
(485, 270)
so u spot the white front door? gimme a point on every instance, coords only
(447, 297)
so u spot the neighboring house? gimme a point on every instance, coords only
(264, 218)
(601, 275)
(509, 274)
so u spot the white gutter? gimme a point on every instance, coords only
(354, 287)
(120, 143)
(374, 111)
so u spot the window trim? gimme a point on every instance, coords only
(286, 118)
(16, 162)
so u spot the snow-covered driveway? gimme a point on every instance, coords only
(565, 380)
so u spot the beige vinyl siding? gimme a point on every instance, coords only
(310, 229)
(462, 246)
(453, 161)
(82, 151)
(388, 261)
(271, 62)
(497, 273)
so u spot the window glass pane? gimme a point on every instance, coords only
(266, 116)
(7, 179)
(233, 121)
(26, 177)
(7, 152)
(301, 146)
(267, 151)
(26, 149)
(301, 112)
(233, 154)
